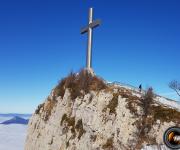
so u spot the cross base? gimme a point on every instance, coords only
(90, 71)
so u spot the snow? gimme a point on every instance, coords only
(167, 102)
(154, 147)
(12, 137)
(159, 99)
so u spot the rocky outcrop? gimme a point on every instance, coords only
(85, 113)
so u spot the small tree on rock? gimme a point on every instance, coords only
(147, 100)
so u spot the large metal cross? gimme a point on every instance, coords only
(91, 24)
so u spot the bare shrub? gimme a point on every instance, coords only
(84, 80)
(147, 121)
(60, 88)
(78, 82)
(37, 111)
(147, 101)
(88, 82)
(175, 85)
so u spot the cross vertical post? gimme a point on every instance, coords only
(89, 28)
(89, 46)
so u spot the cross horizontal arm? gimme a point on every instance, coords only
(91, 25)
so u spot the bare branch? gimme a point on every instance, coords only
(179, 86)
(175, 85)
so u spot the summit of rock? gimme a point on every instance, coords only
(84, 112)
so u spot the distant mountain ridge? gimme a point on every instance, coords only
(16, 120)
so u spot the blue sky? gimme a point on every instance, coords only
(40, 42)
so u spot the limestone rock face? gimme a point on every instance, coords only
(110, 118)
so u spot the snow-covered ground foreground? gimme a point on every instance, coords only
(154, 147)
(12, 137)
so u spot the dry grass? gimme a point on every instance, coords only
(144, 127)
(112, 104)
(79, 128)
(109, 144)
(78, 84)
(132, 101)
(132, 104)
(70, 124)
(69, 120)
(145, 124)
(37, 111)
(90, 98)
(147, 101)
(83, 81)
(152, 113)
(48, 107)
(64, 118)
(60, 88)
(165, 114)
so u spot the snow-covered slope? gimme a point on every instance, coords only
(159, 99)
(167, 102)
